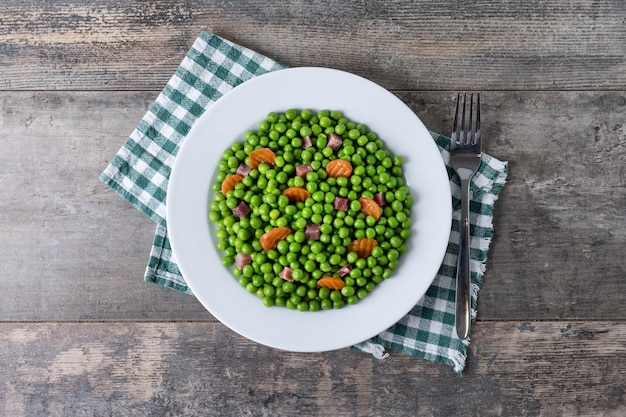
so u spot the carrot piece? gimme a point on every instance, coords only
(229, 182)
(369, 207)
(296, 194)
(259, 156)
(363, 247)
(339, 168)
(270, 239)
(332, 283)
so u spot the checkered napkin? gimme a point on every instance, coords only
(140, 170)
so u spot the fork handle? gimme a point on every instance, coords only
(463, 266)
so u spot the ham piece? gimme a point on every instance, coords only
(243, 170)
(307, 142)
(334, 141)
(344, 270)
(285, 274)
(379, 198)
(241, 209)
(312, 231)
(340, 203)
(242, 260)
(302, 170)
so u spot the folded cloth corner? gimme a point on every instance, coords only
(140, 170)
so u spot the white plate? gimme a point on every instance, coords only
(193, 240)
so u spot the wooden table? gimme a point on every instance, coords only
(81, 334)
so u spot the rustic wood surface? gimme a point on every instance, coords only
(81, 334)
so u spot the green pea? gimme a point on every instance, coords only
(340, 129)
(400, 194)
(318, 196)
(324, 293)
(257, 280)
(392, 222)
(335, 295)
(347, 291)
(395, 241)
(359, 224)
(352, 257)
(288, 287)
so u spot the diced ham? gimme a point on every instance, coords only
(285, 274)
(334, 141)
(379, 198)
(340, 203)
(243, 170)
(301, 170)
(241, 209)
(312, 231)
(307, 142)
(242, 260)
(344, 270)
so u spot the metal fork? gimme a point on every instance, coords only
(465, 154)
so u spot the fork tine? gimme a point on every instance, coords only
(470, 128)
(477, 135)
(466, 133)
(454, 124)
(463, 121)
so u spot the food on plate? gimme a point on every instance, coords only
(362, 247)
(229, 183)
(259, 156)
(339, 168)
(333, 283)
(369, 207)
(296, 194)
(312, 211)
(270, 239)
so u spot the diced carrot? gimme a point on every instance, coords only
(339, 168)
(229, 182)
(369, 207)
(270, 239)
(363, 247)
(296, 194)
(332, 283)
(259, 156)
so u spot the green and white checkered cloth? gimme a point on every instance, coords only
(140, 170)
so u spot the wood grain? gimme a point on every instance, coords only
(559, 225)
(173, 369)
(559, 234)
(71, 248)
(81, 334)
(430, 45)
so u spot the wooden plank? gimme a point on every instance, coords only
(432, 45)
(72, 249)
(75, 250)
(123, 369)
(559, 228)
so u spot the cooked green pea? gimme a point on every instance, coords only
(335, 295)
(352, 257)
(347, 291)
(397, 205)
